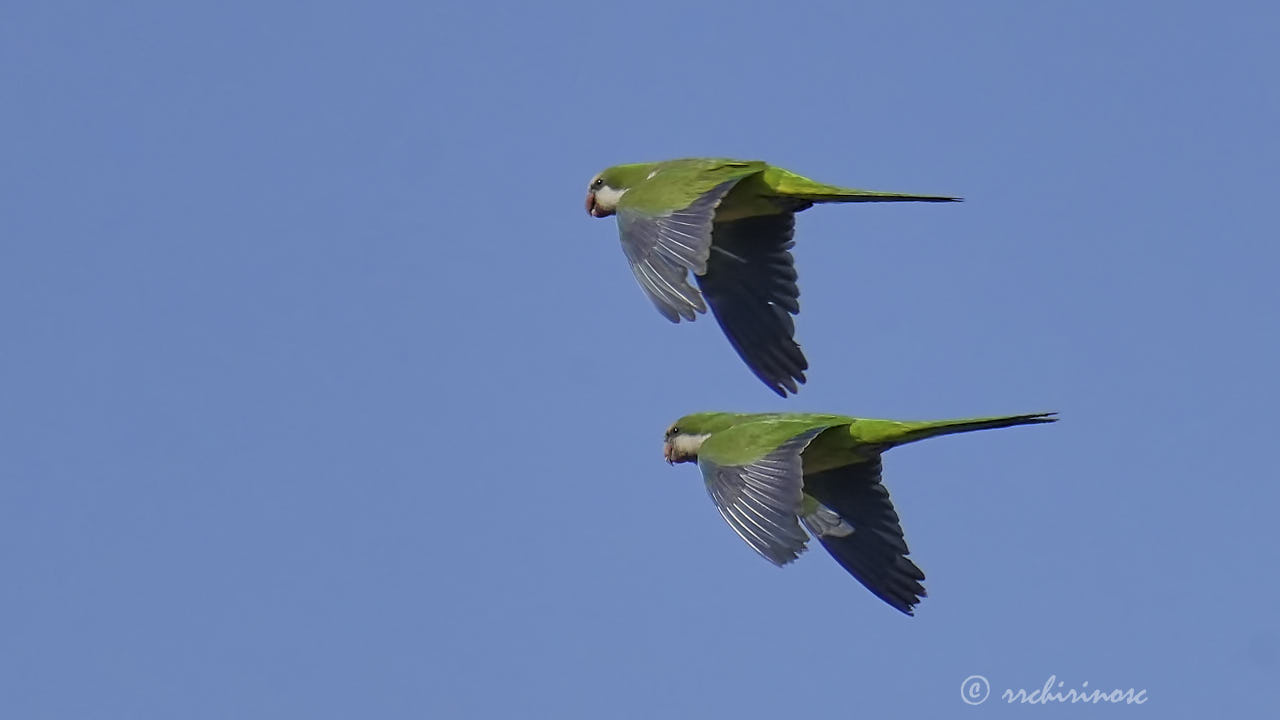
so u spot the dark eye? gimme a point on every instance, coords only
(598, 182)
(674, 430)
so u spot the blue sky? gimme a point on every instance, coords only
(323, 398)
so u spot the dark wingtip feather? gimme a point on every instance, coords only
(750, 284)
(875, 553)
(897, 582)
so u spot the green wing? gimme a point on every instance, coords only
(761, 501)
(749, 282)
(663, 249)
(755, 436)
(761, 497)
(665, 224)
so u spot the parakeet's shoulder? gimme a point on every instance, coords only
(710, 422)
(693, 174)
(707, 172)
(658, 187)
(805, 420)
(750, 437)
(707, 164)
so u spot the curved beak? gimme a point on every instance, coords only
(591, 204)
(666, 453)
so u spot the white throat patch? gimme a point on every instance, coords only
(688, 445)
(607, 197)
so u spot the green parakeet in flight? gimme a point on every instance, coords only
(774, 475)
(730, 223)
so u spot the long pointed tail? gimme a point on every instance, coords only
(891, 432)
(923, 430)
(844, 195)
(788, 184)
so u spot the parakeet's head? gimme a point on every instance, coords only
(608, 187)
(681, 445)
(685, 436)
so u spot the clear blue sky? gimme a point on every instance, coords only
(320, 396)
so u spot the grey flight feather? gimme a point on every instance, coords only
(761, 501)
(825, 522)
(663, 249)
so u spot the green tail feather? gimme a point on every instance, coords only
(891, 432)
(784, 183)
(925, 430)
(869, 196)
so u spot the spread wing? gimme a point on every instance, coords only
(857, 524)
(663, 248)
(750, 282)
(761, 500)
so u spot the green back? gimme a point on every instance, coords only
(738, 439)
(674, 184)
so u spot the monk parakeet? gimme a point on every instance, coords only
(769, 474)
(731, 223)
